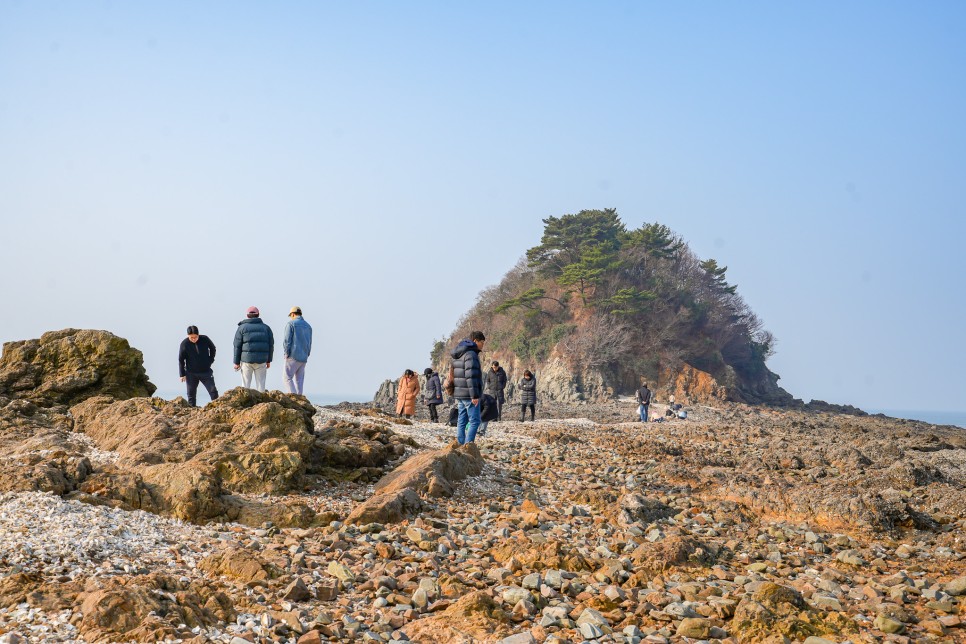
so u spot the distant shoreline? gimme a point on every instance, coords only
(955, 418)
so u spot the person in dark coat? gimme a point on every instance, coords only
(644, 400)
(433, 394)
(494, 384)
(254, 348)
(528, 396)
(195, 357)
(468, 382)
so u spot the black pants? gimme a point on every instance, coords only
(499, 409)
(207, 379)
(523, 412)
(433, 414)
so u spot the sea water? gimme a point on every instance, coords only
(957, 418)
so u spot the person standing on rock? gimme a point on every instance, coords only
(296, 347)
(494, 384)
(434, 393)
(468, 381)
(195, 358)
(254, 349)
(407, 394)
(644, 400)
(528, 396)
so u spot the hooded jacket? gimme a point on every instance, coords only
(406, 395)
(254, 342)
(434, 390)
(467, 374)
(196, 357)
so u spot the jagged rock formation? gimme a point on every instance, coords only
(196, 464)
(68, 366)
(431, 473)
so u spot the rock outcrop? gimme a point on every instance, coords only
(430, 473)
(68, 366)
(196, 464)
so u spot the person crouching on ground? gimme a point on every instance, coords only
(254, 347)
(407, 394)
(434, 393)
(195, 358)
(468, 379)
(528, 395)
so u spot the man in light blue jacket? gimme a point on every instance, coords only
(297, 345)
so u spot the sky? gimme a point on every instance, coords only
(380, 163)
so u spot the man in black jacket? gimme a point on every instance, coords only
(644, 400)
(195, 357)
(468, 379)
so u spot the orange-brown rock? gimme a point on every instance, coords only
(775, 610)
(475, 618)
(65, 367)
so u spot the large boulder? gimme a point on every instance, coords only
(430, 473)
(68, 366)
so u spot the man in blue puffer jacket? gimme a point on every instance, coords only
(468, 381)
(254, 349)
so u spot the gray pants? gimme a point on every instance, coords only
(294, 375)
(257, 369)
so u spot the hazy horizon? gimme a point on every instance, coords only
(380, 164)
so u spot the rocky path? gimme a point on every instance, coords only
(737, 525)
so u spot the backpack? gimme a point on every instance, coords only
(450, 385)
(488, 409)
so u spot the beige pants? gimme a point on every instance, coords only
(257, 369)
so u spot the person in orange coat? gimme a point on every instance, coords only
(406, 394)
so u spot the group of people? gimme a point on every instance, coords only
(471, 389)
(254, 349)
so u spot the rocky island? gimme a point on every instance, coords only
(263, 518)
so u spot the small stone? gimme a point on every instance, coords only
(519, 638)
(297, 591)
(956, 587)
(694, 627)
(888, 625)
(850, 557)
(340, 571)
(590, 631)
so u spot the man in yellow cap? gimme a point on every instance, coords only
(296, 345)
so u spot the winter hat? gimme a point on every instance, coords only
(427, 371)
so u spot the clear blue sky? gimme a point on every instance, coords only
(379, 163)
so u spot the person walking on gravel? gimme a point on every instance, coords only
(468, 381)
(644, 400)
(528, 396)
(254, 348)
(195, 358)
(296, 347)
